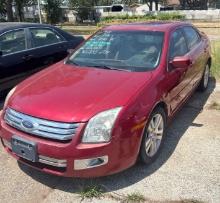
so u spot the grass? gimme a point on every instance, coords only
(208, 28)
(137, 18)
(92, 191)
(215, 106)
(134, 198)
(215, 70)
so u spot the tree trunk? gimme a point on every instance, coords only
(151, 6)
(20, 12)
(9, 11)
(156, 5)
(184, 5)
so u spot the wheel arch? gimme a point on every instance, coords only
(163, 105)
(160, 104)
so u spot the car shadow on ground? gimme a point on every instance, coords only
(182, 121)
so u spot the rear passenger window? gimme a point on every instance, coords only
(192, 36)
(43, 37)
(12, 42)
(178, 46)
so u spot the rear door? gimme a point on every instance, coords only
(197, 53)
(13, 47)
(179, 78)
(47, 46)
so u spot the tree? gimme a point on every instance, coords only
(6, 9)
(2, 8)
(19, 5)
(9, 10)
(194, 4)
(53, 11)
(129, 2)
(19, 9)
(84, 8)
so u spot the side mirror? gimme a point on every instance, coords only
(181, 62)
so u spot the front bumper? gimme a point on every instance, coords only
(73, 158)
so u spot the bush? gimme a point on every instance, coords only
(170, 16)
(149, 16)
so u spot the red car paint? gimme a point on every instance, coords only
(67, 94)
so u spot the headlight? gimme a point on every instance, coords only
(99, 127)
(8, 96)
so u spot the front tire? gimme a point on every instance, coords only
(205, 79)
(153, 136)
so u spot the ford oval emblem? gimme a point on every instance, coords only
(28, 125)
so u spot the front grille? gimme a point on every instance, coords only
(40, 127)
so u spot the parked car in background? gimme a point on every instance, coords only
(109, 102)
(26, 48)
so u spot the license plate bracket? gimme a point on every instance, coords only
(24, 148)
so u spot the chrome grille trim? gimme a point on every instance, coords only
(41, 127)
(52, 161)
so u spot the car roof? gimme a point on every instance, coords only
(16, 25)
(162, 26)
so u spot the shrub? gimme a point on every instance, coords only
(149, 16)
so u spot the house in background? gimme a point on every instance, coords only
(143, 9)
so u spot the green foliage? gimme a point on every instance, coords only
(170, 16)
(134, 18)
(134, 198)
(2, 7)
(84, 8)
(215, 69)
(53, 11)
(92, 191)
(215, 106)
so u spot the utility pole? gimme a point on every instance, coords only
(39, 10)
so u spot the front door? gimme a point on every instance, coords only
(179, 78)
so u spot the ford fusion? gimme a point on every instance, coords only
(109, 103)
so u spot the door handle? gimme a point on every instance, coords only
(27, 57)
(191, 63)
(62, 46)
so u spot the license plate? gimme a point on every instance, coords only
(25, 149)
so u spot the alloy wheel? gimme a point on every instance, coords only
(154, 132)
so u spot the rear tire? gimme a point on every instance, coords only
(153, 136)
(205, 79)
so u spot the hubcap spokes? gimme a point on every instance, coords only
(154, 135)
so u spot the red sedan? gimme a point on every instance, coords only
(109, 102)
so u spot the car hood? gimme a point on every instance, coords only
(69, 93)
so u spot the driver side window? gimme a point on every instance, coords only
(178, 46)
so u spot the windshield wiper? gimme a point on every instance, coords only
(109, 68)
(96, 66)
(73, 63)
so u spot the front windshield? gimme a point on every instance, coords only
(124, 50)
